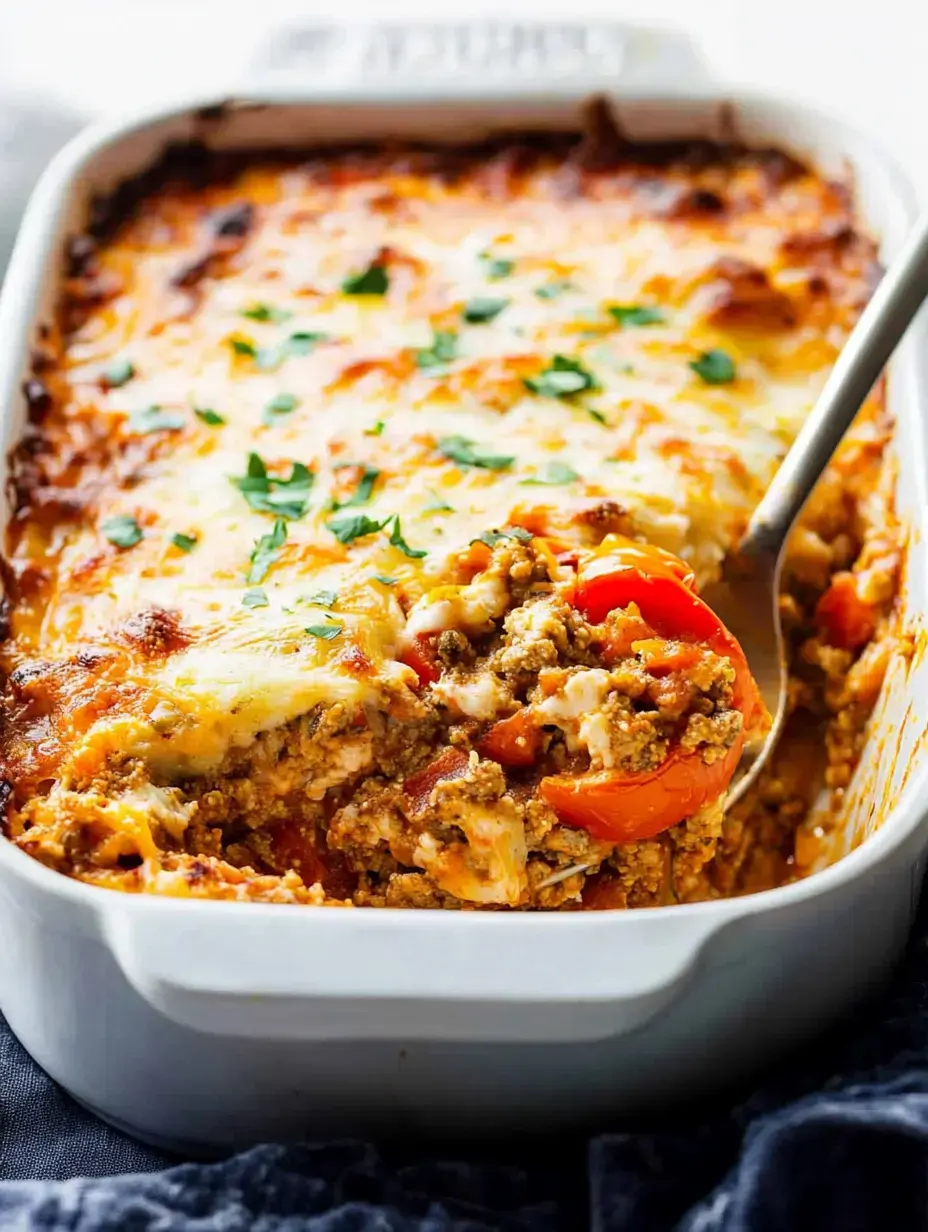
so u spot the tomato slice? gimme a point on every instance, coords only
(422, 659)
(664, 589)
(450, 764)
(513, 741)
(620, 808)
(845, 619)
(293, 848)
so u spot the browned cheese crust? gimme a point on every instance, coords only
(301, 417)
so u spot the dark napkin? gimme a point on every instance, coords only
(837, 1138)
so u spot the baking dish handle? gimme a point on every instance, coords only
(472, 59)
(332, 973)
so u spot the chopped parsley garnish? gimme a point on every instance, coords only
(492, 537)
(365, 489)
(486, 308)
(255, 597)
(155, 419)
(376, 430)
(119, 372)
(266, 312)
(715, 367)
(242, 346)
(636, 314)
(326, 632)
(324, 598)
(304, 342)
(551, 290)
(266, 551)
(269, 358)
(466, 453)
(562, 378)
(444, 348)
(123, 530)
(285, 498)
(496, 267)
(437, 504)
(397, 540)
(384, 580)
(186, 543)
(208, 416)
(372, 281)
(554, 473)
(354, 526)
(282, 404)
(597, 415)
(358, 525)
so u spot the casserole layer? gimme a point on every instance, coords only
(316, 444)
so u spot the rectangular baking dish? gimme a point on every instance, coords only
(204, 1025)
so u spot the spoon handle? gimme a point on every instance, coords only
(882, 324)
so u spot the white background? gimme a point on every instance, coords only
(865, 59)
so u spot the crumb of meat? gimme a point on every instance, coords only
(539, 634)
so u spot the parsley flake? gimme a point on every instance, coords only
(255, 597)
(636, 315)
(325, 632)
(186, 543)
(285, 498)
(554, 473)
(282, 404)
(324, 598)
(266, 312)
(496, 267)
(208, 416)
(479, 311)
(122, 530)
(715, 367)
(397, 540)
(354, 526)
(365, 489)
(266, 551)
(492, 537)
(466, 453)
(244, 347)
(443, 350)
(373, 281)
(303, 343)
(118, 373)
(551, 290)
(384, 580)
(562, 378)
(155, 419)
(597, 415)
(376, 430)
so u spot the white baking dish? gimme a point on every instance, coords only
(205, 1024)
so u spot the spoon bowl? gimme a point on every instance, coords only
(746, 599)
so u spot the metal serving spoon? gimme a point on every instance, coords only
(747, 597)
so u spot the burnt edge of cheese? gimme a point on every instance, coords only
(597, 147)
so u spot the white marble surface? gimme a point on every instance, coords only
(865, 59)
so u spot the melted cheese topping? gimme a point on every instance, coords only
(221, 323)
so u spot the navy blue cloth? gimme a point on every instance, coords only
(837, 1138)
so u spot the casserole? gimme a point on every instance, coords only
(262, 1024)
